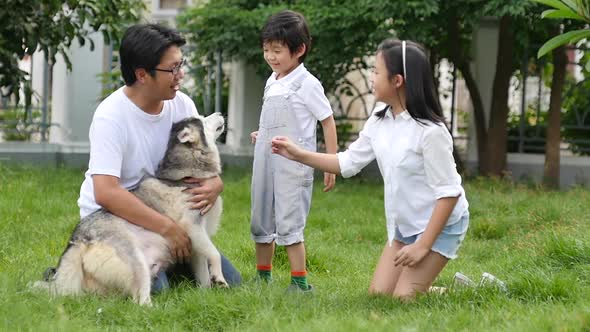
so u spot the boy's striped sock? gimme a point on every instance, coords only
(299, 278)
(264, 272)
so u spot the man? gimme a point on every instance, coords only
(129, 135)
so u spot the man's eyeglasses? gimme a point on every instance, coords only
(175, 70)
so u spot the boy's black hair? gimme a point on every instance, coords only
(143, 46)
(421, 98)
(289, 28)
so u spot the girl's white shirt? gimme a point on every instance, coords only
(309, 103)
(417, 165)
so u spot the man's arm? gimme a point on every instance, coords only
(113, 197)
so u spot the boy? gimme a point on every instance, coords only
(294, 101)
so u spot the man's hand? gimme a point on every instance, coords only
(329, 181)
(253, 136)
(205, 192)
(180, 243)
(411, 254)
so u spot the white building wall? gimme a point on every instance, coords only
(245, 102)
(76, 93)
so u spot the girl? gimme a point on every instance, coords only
(425, 205)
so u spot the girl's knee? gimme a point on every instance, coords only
(377, 290)
(409, 292)
(404, 295)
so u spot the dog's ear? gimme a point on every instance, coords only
(186, 135)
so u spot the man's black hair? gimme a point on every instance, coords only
(143, 46)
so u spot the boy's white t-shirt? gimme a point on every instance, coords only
(310, 103)
(128, 143)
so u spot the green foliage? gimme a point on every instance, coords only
(111, 81)
(344, 133)
(566, 38)
(52, 26)
(17, 124)
(576, 119)
(534, 132)
(342, 33)
(578, 10)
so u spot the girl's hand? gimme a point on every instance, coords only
(410, 255)
(329, 181)
(283, 146)
(253, 136)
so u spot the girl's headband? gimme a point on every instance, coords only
(404, 57)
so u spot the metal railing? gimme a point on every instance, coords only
(529, 136)
(27, 123)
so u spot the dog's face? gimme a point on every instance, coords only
(192, 151)
(200, 131)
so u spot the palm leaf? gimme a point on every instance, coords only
(566, 38)
(561, 14)
(553, 3)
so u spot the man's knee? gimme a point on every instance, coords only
(230, 273)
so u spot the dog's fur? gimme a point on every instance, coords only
(106, 253)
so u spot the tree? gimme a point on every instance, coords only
(51, 26)
(344, 34)
(233, 26)
(562, 10)
(552, 145)
(566, 9)
(449, 33)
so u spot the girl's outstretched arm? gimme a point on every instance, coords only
(326, 162)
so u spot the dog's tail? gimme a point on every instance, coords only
(68, 277)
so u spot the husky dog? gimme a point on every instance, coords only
(107, 253)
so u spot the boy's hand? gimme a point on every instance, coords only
(283, 146)
(410, 255)
(253, 136)
(329, 181)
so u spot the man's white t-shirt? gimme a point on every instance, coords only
(128, 143)
(309, 103)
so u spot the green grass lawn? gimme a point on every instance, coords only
(537, 241)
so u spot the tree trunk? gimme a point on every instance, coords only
(434, 60)
(478, 112)
(498, 129)
(551, 172)
(460, 60)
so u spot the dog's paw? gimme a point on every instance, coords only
(219, 282)
(144, 301)
(38, 285)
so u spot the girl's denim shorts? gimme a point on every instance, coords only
(448, 241)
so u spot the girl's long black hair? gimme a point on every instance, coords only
(421, 99)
